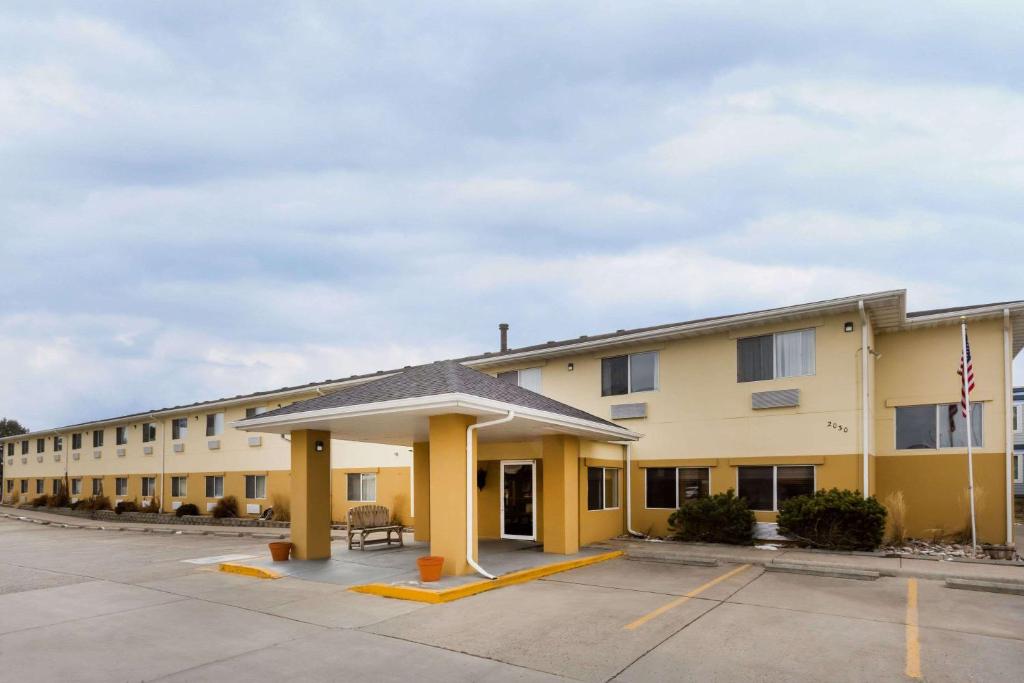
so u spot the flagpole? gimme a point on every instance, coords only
(970, 437)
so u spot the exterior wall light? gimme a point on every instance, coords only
(319, 446)
(570, 367)
(848, 327)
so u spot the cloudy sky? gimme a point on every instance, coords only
(199, 199)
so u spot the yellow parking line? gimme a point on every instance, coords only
(913, 669)
(679, 601)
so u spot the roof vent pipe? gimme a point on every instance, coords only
(503, 328)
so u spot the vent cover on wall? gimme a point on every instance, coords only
(626, 411)
(781, 398)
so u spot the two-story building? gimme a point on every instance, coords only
(609, 433)
(1018, 442)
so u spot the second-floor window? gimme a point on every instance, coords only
(76, 441)
(122, 436)
(58, 443)
(214, 424)
(10, 448)
(148, 432)
(772, 356)
(40, 445)
(24, 447)
(937, 426)
(97, 438)
(253, 412)
(629, 373)
(527, 378)
(179, 428)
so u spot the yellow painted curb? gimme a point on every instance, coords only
(245, 570)
(458, 592)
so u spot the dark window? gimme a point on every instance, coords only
(595, 488)
(643, 371)
(148, 486)
(510, 376)
(76, 441)
(40, 483)
(256, 486)
(755, 485)
(122, 436)
(754, 358)
(40, 445)
(10, 448)
(148, 432)
(214, 424)
(615, 376)
(793, 481)
(215, 487)
(693, 483)
(121, 486)
(179, 428)
(56, 486)
(253, 412)
(24, 447)
(24, 485)
(661, 487)
(97, 487)
(953, 426)
(97, 438)
(58, 443)
(915, 427)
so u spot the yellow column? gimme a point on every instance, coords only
(311, 495)
(561, 494)
(448, 491)
(421, 488)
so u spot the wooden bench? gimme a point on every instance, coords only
(364, 520)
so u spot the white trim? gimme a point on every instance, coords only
(533, 499)
(1019, 457)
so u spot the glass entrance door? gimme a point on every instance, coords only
(518, 513)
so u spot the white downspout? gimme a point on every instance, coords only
(629, 490)
(470, 482)
(1008, 419)
(865, 422)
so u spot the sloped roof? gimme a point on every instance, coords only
(436, 379)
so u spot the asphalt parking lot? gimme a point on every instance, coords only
(80, 604)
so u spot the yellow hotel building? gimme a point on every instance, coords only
(574, 441)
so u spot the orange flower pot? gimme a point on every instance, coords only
(280, 550)
(430, 567)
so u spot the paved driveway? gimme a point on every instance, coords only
(102, 605)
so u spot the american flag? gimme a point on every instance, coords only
(966, 390)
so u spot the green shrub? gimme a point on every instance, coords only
(226, 507)
(186, 509)
(721, 518)
(41, 501)
(834, 519)
(127, 506)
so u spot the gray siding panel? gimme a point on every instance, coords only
(782, 398)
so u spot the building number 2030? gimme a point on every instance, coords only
(838, 427)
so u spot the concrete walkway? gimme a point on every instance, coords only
(927, 568)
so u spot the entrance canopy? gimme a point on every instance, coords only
(396, 409)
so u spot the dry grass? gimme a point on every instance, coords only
(896, 504)
(282, 513)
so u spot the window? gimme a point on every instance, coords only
(121, 437)
(256, 486)
(602, 488)
(362, 487)
(527, 378)
(1018, 467)
(10, 448)
(97, 487)
(76, 441)
(40, 483)
(40, 445)
(76, 487)
(58, 443)
(772, 356)
(24, 447)
(668, 487)
(56, 486)
(24, 485)
(765, 487)
(630, 373)
(148, 486)
(121, 486)
(1018, 421)
(148, 432)
(97, 438)
(937, 426)
(253, 412)
(10, 485)
(179, 487)
(179, 428)
(215, 487)
(214, 424)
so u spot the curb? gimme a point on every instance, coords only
(688, 561)
(427, 595)
(822, 570)
(1005, 587)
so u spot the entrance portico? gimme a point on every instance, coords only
(488, 457)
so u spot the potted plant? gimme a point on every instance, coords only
(430, 567)
(280, 550)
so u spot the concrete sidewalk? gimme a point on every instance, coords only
(925, 568)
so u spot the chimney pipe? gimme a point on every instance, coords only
(503, 327)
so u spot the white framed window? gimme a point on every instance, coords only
(629, 373)
(148, 486)
(40, 445)
(773, 356)
(1018, 467)
(765, 486)
(121, 436)
(148, 432)
(603, 488)
(939, 425)
(76, 487)
(179, 487)
(1018, 418)
(58, 443)
(97, 438)
(665, 488)
(215, 424)
(527, 378)
(362, 487)
(215, 486)
(255, 486)
(97, 486)
(121, 486)
(179, 428)
(76, 441)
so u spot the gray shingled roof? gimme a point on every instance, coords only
(436, 379)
